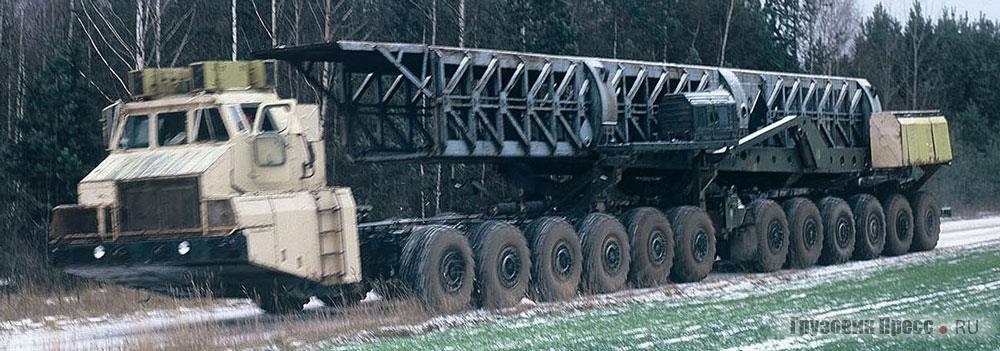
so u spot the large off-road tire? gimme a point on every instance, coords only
(278, 303)
(926, 221)
(898, 225)
(503, 265)
(805, 227)
(557, 259)
(437, 265)
(838, 231)
(606, 259)
(770, 234)
(869, 220)
(652, 243)
(694, 243)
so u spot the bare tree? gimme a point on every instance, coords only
(19, 87)
(140, 34)
(830, 29)
(725, 33)
(157, 34)
(233, 7)
(918, 30)
(274, 35)
(327, 37)
(5, 69)
(461, 23)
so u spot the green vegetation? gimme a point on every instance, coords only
(956, 285)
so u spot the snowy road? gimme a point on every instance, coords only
(241, 323)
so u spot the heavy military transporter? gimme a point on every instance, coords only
(631, 174)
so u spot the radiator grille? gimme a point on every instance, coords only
(160, 205)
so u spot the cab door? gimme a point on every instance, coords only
(272, 148)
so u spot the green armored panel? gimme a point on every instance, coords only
(918, 141)
(942, 139)
(159, 81)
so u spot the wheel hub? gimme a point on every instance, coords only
(562, 263)
(775, 235)
(843, 232)
(811, 233)
(699, 246)
(509, 266)
(902, 226)
(930, 219)
(452, 270)
(612, 255)
(657, 247)
(874, 227)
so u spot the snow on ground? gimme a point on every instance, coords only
(964, 232)
(60, 332)
(109, 332)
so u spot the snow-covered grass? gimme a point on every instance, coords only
(756, 315)
(37, 306)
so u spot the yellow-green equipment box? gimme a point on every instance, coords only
(222, 75)
(159, 81)
(899, 140)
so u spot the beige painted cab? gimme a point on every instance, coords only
(238, 162)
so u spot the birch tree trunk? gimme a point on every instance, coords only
(461, 23)
(234, 29)
(140, 35)
(72, 9)
(19, 93)
(437, 186)
(725, 33)
(274, 38)
(296, 35)
(434, 22)
(324, 101)
(157, 43)
(5, 68)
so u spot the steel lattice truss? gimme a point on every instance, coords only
(411, 101)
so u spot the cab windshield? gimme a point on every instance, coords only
(198, 125)
(171, 128)
(136, 133)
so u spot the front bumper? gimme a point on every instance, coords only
(214, 266)
(215, 250)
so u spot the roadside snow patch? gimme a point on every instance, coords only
(372, 296)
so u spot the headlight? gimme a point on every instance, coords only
(183, 248)
(99, 251)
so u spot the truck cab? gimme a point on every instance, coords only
(225, 182)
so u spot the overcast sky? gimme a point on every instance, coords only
(901, 8)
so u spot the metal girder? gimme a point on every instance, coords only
(412, 101)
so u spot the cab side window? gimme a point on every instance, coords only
(250, 110)
(210, 125)
(273, 118)
(237, 117)
(267, 125)
(136, 133)
(171, 128)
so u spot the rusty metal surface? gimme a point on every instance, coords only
(145, 164)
